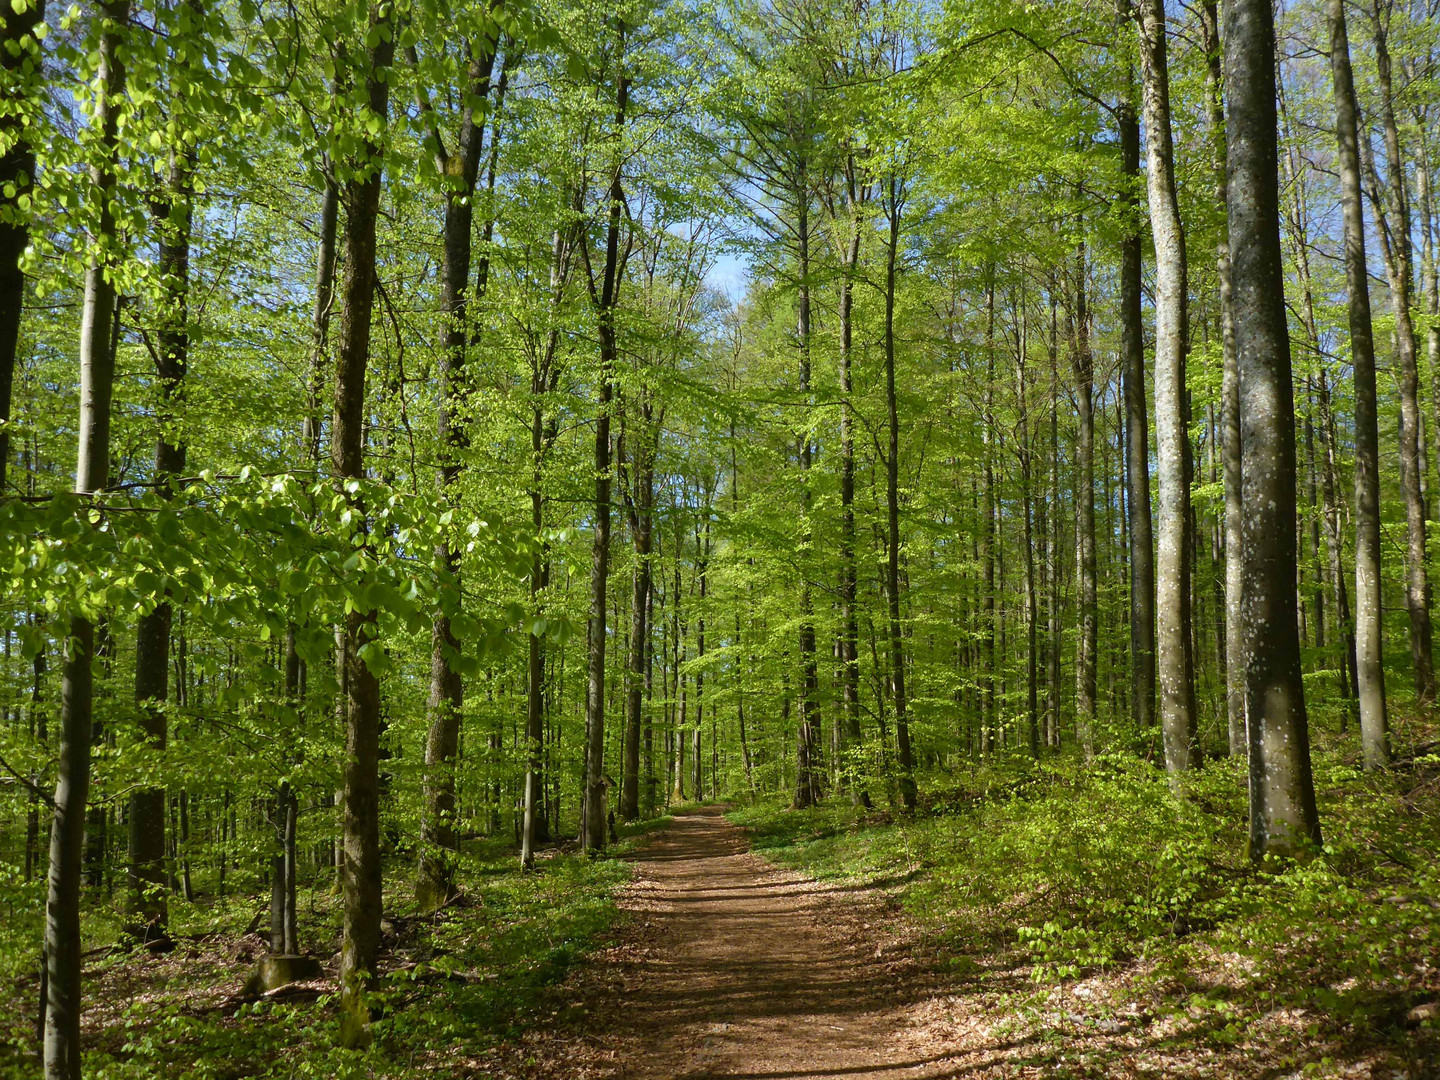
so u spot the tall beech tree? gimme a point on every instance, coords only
(153, 632)
(460, 172)
(1174, 656)
(1229, 395)
(1283, 816)
(1137, 420)
(360, 191)
(1392, 216)
(604, 288)
(62, 958)
(1369, 631)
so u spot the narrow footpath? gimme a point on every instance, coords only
(733, 969)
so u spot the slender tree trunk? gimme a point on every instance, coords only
(1393, 229)
(97, 376)
(320, 322)
(604, 297)
(697, 746)
(1054, 634)
(1283, 818)
(21, 65)
(435, 883)
(641, 526)
(990, 533)
(1369, 631)
(1335, 545)
(849, 630)
(1027, 469)
(1430, 278)
(360, 827)
(1137, 433)
(1230, 399)
(906, 762)
(1088, 645)
(544, 377)
(1175, 655)
(807, 743)
(147, 905)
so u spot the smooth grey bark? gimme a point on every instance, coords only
(604, 296)
(360, 823)
(1392, 214)
(435, 877)
(1230, 399)
(20, 63)
(62, 1053)
(147, 908)
(1137, 430)
(1369, 632)
(1175, 660)
(1283, 817)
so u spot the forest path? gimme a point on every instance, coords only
(731, 968)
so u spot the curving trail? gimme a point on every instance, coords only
(734, 969)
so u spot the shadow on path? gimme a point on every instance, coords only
(739, 970)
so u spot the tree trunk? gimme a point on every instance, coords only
(807, 743)
(1027, 468)
(1230, 400)
(894, 204)
(152, 635)
(697, 746)
(97, 377)
(990, 534)
(1393, 229)
(604, 297)
(1087, 592)
(435, 883)
(1054, 634)
(20, 62)
(1430, 278)
(1369, 630)
(1283, 817)
(849, 630)
(641, 532)
(360, 829)
(1175, 660)
(1137, 433)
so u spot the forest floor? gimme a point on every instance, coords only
(731, 967)
(1064, 920)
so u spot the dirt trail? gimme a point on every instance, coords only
(734, 969)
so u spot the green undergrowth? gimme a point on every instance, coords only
(1059, 871)
(454, 984)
